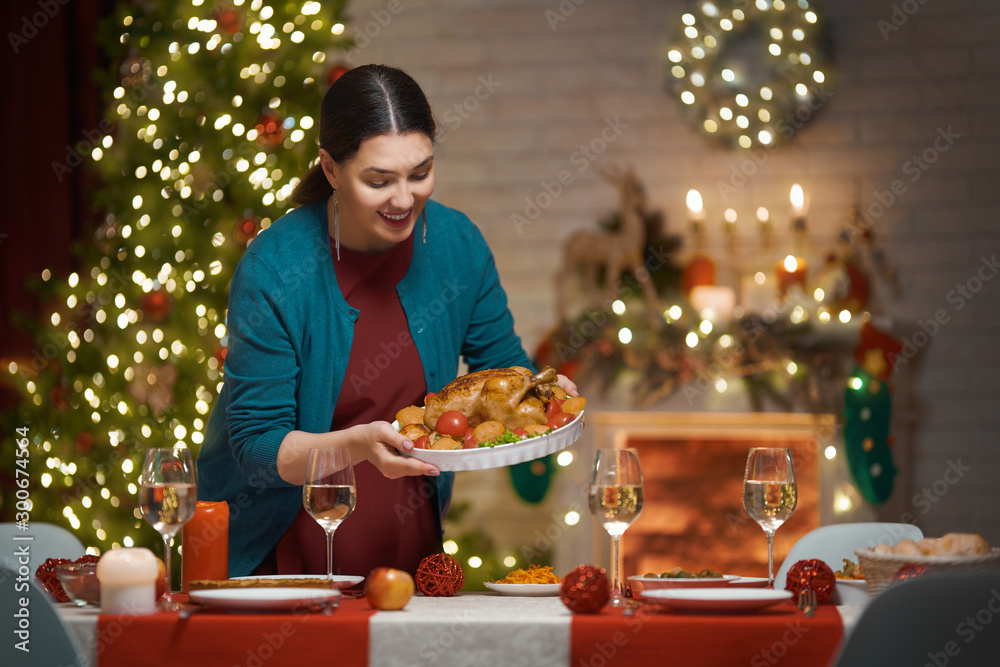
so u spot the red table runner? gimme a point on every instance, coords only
(780, 634)
(224, 638)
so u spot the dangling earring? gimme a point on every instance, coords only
(423, 216)
(336, 226)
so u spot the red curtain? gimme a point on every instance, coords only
(50, 104)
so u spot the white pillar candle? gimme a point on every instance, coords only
(128, 581)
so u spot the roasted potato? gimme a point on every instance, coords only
(446, 443)
(575, 404)
(490, 430)
(414, 431)
(410, 415)
(541, 429)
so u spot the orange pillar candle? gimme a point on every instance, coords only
(205, 543)
(790, 272)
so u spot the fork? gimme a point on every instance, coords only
(807, 601)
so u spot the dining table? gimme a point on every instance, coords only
(470, 628)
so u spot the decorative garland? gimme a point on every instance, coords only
(732, 104)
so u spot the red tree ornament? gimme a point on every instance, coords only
(229, 19)
(440, 575)
(585, 589)
(246, 228)
(270, 131)
(814, 574)
(157, 304)
(335, 73)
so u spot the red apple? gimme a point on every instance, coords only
(389, 589)
(161, 579)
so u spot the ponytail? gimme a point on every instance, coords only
(312, 188)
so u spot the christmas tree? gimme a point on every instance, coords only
(211, 119)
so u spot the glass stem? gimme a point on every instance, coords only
(770, 558)
(616, 589)
(329, 556)
(168, 543)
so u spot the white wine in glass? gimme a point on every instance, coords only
(769, 493)
(615, 497)
(329, 493)
(168, 494)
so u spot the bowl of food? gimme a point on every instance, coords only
(852, 587)
(680, 578)
(80, 582)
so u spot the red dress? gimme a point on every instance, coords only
(395, 522)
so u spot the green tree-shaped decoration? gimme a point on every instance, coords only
(211, 118)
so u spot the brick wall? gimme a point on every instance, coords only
(519, 92)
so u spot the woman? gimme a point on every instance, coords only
(339, 316)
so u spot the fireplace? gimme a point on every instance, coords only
(693, 466)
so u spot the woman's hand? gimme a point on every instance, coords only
(377, 442)
(382, 445)
(567, 385)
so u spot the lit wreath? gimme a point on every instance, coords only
(712, 68)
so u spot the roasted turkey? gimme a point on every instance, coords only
(512, 396)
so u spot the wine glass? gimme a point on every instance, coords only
(616, 500)
(167, 498)
(329, 493)
(769, 493)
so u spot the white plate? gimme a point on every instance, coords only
(657, 583)
(530, 590)
(264, 598)
(339, 580)
(717, 599)
(482, 458)
(748, 582)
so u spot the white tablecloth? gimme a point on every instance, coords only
(469, 629)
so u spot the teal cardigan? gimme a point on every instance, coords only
(290, 332)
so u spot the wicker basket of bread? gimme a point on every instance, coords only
(954, 552)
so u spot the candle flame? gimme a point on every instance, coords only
(791, 264)
(694, 202)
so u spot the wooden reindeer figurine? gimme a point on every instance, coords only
(617, 252)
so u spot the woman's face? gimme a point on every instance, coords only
(382, 190)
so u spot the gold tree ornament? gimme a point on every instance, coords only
(750, 74)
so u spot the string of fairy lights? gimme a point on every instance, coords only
(730, 102)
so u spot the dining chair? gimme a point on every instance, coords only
(833, 543)
(49, 640)
(47, 541)
(933, 619)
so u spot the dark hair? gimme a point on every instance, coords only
(365, 102)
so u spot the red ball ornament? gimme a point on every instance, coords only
(229, 19)
(585, 589)
(270, 131)
(335, 73)
(814, 574)
(84, 443)
(440, 575)
(246, 228)
(909, 571)
(157, 304)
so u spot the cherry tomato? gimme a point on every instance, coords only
(520, 432)
(560, 419)
(428, 397)
(470, 442)
(554, 407)
(469, 431)
(423, 442)
(452, 423)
